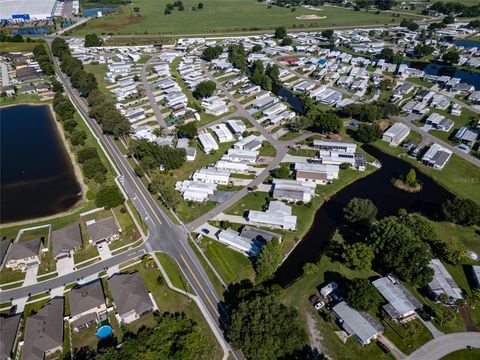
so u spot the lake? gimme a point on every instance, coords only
(36, 176)
(295, 102)
(378, 188)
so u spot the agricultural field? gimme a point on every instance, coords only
(223, 16)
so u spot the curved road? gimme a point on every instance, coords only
(446, 344)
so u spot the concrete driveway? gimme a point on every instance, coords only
(31, 275)
(104, 251)
(65, 265)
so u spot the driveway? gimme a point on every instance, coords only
(65, 265)
(104, 251)
(31, 275)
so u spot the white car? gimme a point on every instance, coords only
(319, 305)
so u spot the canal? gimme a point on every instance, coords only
(37, 178)
(378, 188)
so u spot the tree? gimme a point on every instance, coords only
(423, 50)
(411, 178)
(188, 130)
(462, 211)
(93, 166)
(205, 89)
(360, 212)
(212, 52)
(451, 57)
(368, 133)
(264, 328)
(200, 6)
(268, 259)
(310, 269)
(409, 24)
(93, 40)
(282, 172)
(286, 41)
(280, 32)
(358, 256)
(108, 196)
(361, 294)
(256, 48)
(328, 34)
(86, 153)
(168, 194)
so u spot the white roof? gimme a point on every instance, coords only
(354, 322)
(397, 295)
(443, 282)
(233, 239)
(19, 7)
(208, 142)
(335, 144)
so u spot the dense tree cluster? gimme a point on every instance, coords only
(204, 89)
(65, 114)
(211, 52)
(260, 324)
(108, 196)
(280, 32)
(188, 130)
(4, 37)
(390, 56)
(423, 50)
(152, 155)
(160, 185)
(358, 256)
(41, 56)
(451, 57)
(369, 112)
(360, 213)
(268, 260)
(174, 337)
(264, 77)
(171, 7)
(474, 24)
(93, 40)
(368, 133)
(361, 294)
(462, 211)
(379, 4)
(409, 24)
(236, 55)
(460, 9)
(318, 120)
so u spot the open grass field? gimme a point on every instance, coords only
(222, 16)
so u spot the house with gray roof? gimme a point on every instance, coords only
(103, 230)
(8, 329)
(401, 303)
(130, 297)
(443, 283)
(44, 332)
(260, 236)
(362, 327)
(66, 241)
(24, 253)
(87, 305)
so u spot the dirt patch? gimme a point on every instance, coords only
(310, 17)
(314, 335)
(118, 22)
(467, 319)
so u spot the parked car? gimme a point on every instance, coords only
(383, 347)
(205, 231)
(424, 315)
(319, 305)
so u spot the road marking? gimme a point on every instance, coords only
(201, 288)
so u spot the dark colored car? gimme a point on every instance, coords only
(383, 347)
(424, 315)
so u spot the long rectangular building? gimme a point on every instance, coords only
(26, 10)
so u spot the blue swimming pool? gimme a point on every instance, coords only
(104, 331)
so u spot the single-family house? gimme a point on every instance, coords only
(195, 190)
(105, 230)
(66, 240)
(396, 134)
(8, 329)
(211, 176)
(23, 254)
(436, 156)
(223, 134)
(131, 298)
(293, 190)
(278, 214)
(251, 143)
(467, 136)
(208, 142)
(443, 283)
(236, 241)
(439, 122)
(44, 332)
(338, 146)
(87, 305)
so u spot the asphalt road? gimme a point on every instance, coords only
(444, 345)
(151, 97)
(163, 234)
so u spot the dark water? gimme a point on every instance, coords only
(295, 102)
(468, 77)
(36, 174)
(31, 31)
(466, 43)
(376, 187)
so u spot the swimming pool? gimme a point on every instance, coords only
(104, 331)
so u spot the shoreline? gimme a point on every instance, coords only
(76, 170)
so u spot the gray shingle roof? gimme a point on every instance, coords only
(66, 239)
(24, 249)
(8, 329)
(44, 331)
(129, 293)
(4, 245)
(86, 297)
(102, 229)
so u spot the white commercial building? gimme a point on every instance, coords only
(26, 10)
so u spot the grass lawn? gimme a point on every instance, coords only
(34, 307)
(406, 339)
(211, 275)
(303, 152)
(47, 262)
(222, 16)
(421, 82)
(174, 274)
(466, 235)
(36, 233)
(147, 321)
(20, 98)
(290, 135)
(463, 355)
(8, 275)
(173, 302)
(464, 119)
(267, 149)
(252, 201)
(230, 264)
(18, 46)
(458, 175)
(99, 70)
(85, 338)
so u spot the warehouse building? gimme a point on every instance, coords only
(26, 10)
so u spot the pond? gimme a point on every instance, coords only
(31, 31)
(468, 77)
(36, 175)
(295, 102)
(378, 188)
(467, 43)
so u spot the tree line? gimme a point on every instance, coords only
(41, 56)
(449, 8)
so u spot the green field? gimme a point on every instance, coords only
(222, 16)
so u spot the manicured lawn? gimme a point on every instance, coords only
(47, 263)
(222, 16)
(303, 152)
(463, 355)
(85, 338)
(147, 321)
(173, 302)
(36, 233)
(466, 235)
(8, 275)
(458, 176)
(267, 149)
(174, 274)
(230, 264)
(211, 275)
(18, 46)
(252, 201)
(407, 337)
(20, 99)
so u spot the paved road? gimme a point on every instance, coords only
(444, 345)
(164, 235)
(151, 97)
(431, 138)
